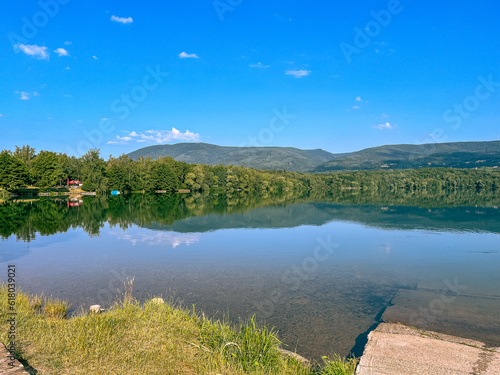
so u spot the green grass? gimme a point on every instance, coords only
(147, 338)
(53, 308)
(339, 365)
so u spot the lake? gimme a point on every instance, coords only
(321, 271)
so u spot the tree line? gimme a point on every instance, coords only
(24, 167)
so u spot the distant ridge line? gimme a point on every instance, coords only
(400, 156)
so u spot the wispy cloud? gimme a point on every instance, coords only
(184, 55)
(1, 115)
(298, 73)
(358, 99)
(120, 140)
(61, 52)
(386, 126)
(33, 50)
(67, 68)
(23, 95)
(122, 19)
(259, 65)
(95, 57)
(156, 136)
(355, 107)
(67, 43)
(26, 95)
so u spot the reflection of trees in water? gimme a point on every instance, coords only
(47, 216)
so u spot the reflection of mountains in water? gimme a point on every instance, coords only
(453, 219)
(8, 254)
(195, 213)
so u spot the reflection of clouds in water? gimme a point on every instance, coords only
(387, 248)
(159, 238)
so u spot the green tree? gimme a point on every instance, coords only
(120, 173)
(93, 172)
(13, 173)
(46, 170)
(25, 154)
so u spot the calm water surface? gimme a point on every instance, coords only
(323, 274)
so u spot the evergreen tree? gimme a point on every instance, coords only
(46, 170)
(13, 173)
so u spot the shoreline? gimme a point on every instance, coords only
(395, 349)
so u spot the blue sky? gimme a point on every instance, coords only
(341, 76)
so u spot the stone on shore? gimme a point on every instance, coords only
(395, 349)
(95, 309)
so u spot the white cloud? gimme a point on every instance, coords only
(33, 50)
(156, 136)
(298, 73)
(67, 68)
(184, 55)
(164, 136)
(94, 57)
(26, 95)
(1, 115)
(120, 140)
(67, 43)
(122, 19)
(385, 126)
(259, 65)
(79, 121)
(355, 107)
(61, 52)
(358, 99)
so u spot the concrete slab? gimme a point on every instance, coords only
(395, 349)
(5, 364)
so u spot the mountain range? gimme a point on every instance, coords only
(456, 155)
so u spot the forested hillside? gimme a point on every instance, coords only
(288, 158)
(455, 155)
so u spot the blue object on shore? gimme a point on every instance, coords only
(115, 192)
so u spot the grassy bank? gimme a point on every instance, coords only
(147, 338)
